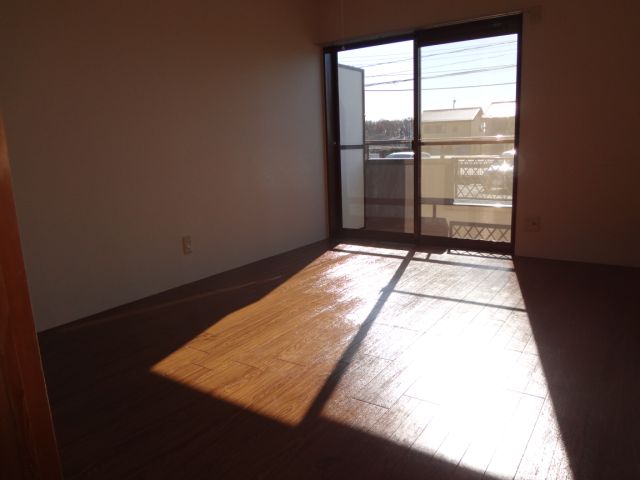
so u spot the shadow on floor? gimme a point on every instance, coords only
(115, 419)
(586, 323)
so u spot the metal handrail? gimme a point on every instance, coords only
(497, 139)
(387, 142)
(489, 140)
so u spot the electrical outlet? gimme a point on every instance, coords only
(186, 244)
(532, 224)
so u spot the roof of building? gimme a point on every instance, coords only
(450, 115)
(501, 110)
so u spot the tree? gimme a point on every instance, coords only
(388, 129)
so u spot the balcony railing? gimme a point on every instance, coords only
(470, 179)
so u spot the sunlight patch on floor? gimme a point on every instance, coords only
(439, 358)
(472, 379)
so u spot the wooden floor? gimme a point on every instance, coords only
(348, 361)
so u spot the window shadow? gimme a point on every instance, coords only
(115, 418)
(334, 379)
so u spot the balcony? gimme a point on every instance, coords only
(467, 187)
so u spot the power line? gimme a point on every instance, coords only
(410, 71)
(440, 88)
(403, 57)
(454, 49)
(462, 72)
(465, 49)
(475, 59)
(429, 60)
(446, 60)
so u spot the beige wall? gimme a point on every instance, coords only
(131, 124)
(580, 115)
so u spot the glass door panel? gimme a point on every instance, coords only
(375, 92)
(468, 111)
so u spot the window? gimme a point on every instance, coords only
(419, 130)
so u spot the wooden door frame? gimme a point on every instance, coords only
(28, 447)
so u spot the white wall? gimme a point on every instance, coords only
(580, 114)
(131, 124)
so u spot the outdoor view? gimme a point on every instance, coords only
(468, 106)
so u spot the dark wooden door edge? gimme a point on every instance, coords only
(28, 445)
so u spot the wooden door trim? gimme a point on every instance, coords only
(26, 427)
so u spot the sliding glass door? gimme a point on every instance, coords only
(468, 111)
(376, 137)
(425, 135)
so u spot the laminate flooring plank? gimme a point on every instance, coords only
(421, 454)
(538, 384)
(404, 311)
(456, 320)
(276, 377)
(210, 452)
(522, 332)
(509, 330)
(358, 362)
(571, 409)
(400, 426)
(500, 409)
(490, 287)
(325, 343)
(112, 403)
(176, 429)
(359, 373)
(387, 342)
(508, 455)
(394, 417)
(452, 296)
(333, 445)
(448, 283)
(390, 384)
(101, 368)
(609, 447)
(545, 439)
(484, 326)
(511, 294)
(163, 424)
(522, 372)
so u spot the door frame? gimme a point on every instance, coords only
(496, 25)
(28, 447)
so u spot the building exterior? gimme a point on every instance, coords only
(456, 123)
(451, 122)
